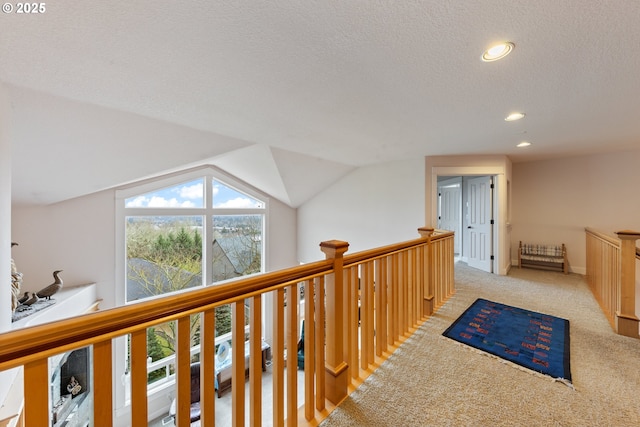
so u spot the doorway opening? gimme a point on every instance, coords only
(465, 205)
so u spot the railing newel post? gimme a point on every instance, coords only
(336, 372)
(626, 320)
(426, 273)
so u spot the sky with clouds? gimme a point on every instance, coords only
(191, 195)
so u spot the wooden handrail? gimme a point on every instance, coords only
(610, 238)
(20, 346)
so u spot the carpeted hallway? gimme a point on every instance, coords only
(433, 381)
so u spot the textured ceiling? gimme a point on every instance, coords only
(291, 95)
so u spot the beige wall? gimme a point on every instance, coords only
(76, 236)
(554, 200)
(370, 207)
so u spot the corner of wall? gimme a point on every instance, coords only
(6, 377)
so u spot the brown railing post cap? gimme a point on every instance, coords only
(629, 234)
(334, 246)
(426, 231)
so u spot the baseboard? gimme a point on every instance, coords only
(576, 270)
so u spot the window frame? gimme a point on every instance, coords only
(209, 173)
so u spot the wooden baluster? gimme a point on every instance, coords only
(292, 355)
(255, 362)
(346, 298)
(416, 301)
(207, 367)
(102, 383)
(394, 299)
(36, 405)
(237, 360)
(183, 371)
(390, 301)
(370, 312)
(138, 377)
(420, 281)
(320, 342)
(277, 369)
(438, 265)
(402, 293)
(626, 319)
(406, 272)
(353, 321)
(614, 291)
(309, 350)
(381, 306)
(451, 283)
(365, 308)
(336, 367)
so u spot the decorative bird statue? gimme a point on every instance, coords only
(32, 300)
(16, 282)
(52, 288)
(28, 302)
(23, 298)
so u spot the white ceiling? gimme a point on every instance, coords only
(292, 95)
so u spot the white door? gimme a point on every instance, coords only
(479, 219)
(450, 209)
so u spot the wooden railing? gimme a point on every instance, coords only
(611, 268)
(357, 308)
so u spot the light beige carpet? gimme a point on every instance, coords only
(433, 381)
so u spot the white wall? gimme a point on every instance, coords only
(5, 211)
(5, 230)
(281, 236)
(370, 207)
(554, 200)
(76, 236)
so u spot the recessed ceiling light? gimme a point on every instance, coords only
(498, 51)
(513, 117)
(523, 144)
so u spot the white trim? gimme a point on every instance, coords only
(501, 234)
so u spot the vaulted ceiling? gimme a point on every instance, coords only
(292, 95)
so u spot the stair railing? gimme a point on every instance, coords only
(611, 274)
(387, 291)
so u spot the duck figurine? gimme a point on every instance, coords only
(31, 300)
(48, 291)
(23, 298)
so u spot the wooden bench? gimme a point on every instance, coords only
(545, 257)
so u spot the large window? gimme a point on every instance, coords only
(188, 231)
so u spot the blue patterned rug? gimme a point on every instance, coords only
(537, 341)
